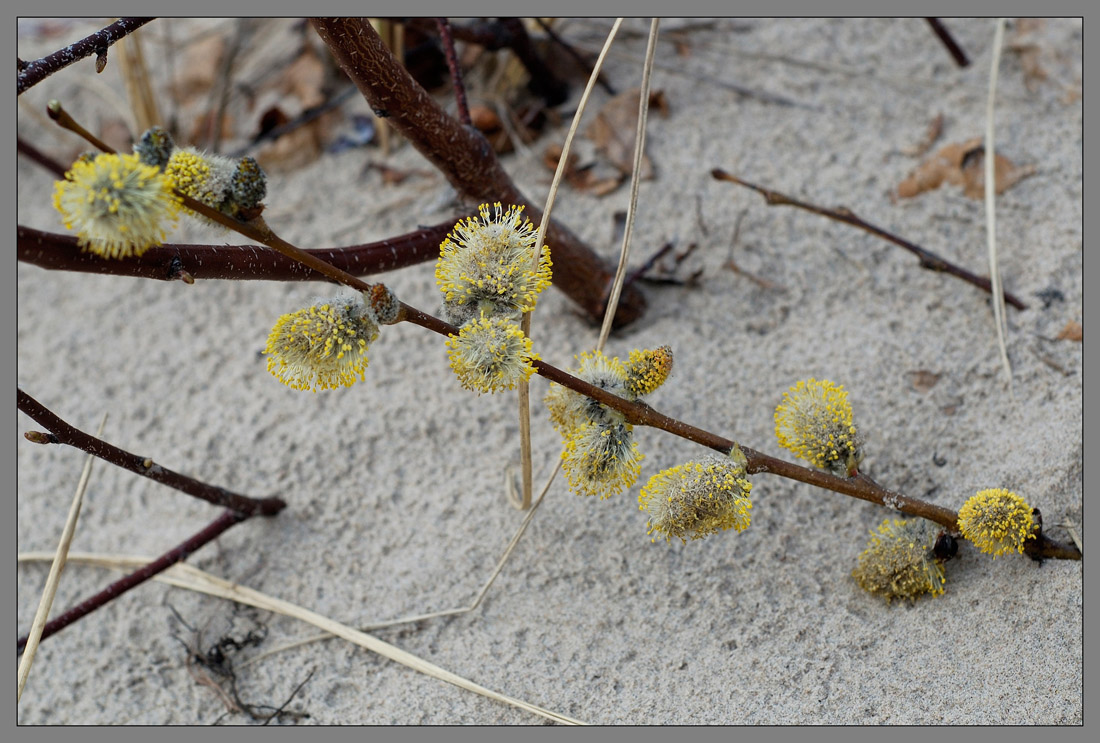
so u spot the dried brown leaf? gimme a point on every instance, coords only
(962, 164)
(614, 128)
(1072, 332)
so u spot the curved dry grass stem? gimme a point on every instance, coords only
(525, 324)
(990, 198)
(445, 612)
(54, 577)
(635, 181)
(186, 576)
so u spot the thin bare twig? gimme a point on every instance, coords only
(948, 40)
(445, 37)
(63, 433)
(540, 238)
(136, 578)
(35, 72)
(928, 260)
(635, 182)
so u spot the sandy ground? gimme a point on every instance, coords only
(395, 486)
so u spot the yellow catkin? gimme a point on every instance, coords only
(899, 561)
(491, 355)
(814, 421)
(997, 521)
(117, 205)
(487, 262)
(321, 347)
(697, 499)
(647, 370)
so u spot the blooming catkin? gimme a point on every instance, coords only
(900, 561)
(601, 459)
(814, 421)
(323, 346)
(491, 355)
(117, 205)
(697, 499)
(487, 266)
(997, 521)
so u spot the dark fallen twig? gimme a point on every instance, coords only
(35, 72)
(928, 260)
(66, 434)
(139, 576)
(948, 41)
(463, 156)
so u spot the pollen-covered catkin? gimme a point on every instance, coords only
(697, 499)
(814, 421)
(997, 521)
(117, 205)
(900, 561)
(491, 355)
(487, 266)
(323, 346)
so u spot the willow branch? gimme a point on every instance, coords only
(38, 70)
(61, 432)
(636, 412)
(139, 576)
(463, 156)
(928, 260)
(171, 262)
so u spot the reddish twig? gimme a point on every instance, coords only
(139, 576)
(462, 155)
(172, 262)
(928, 260)
(448, 42)
(948, 40)
(63, 433)
(38, 70)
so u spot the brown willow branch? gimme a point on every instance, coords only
(63, 433)
(948, 40)
(928, 260)
(171, 262)
(463, 156)
(38, 70)
(639, 413)
(142, 574)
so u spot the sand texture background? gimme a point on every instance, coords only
(395, 486)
